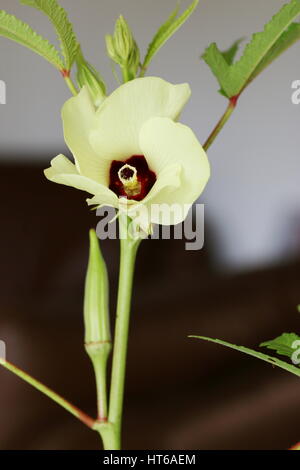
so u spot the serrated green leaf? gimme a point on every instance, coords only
(220, 68)
(286, 40)
(62, 25)
(262, 43)
(283, 344)
(264, 357)
(264, 47)
(167, 30)
(229, 54)
(20, 32)
(163, 29)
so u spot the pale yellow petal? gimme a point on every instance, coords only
(166, 143)
(62, 171)
(78, 116)
(150, 210)
(120, 118)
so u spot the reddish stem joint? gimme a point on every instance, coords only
(233, 100)
(65, 73)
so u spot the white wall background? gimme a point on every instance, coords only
(253, 198)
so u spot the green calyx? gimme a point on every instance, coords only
(88, 76)
(122, 48)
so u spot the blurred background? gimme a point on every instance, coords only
(242, 287)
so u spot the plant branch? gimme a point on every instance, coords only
(69, 82)
(229, 110)
(83, 417)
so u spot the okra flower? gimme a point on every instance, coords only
(131, 153)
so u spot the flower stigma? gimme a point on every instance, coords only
(128, 177)
(132, 178)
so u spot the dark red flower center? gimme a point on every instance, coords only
(131, 178)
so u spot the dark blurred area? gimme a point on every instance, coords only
(181, 393)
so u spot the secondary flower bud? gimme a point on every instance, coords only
(87, 75)
(124, 41)
(134, 59)
(110, 47)
(96, 314)
(122, 48)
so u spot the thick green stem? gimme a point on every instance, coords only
(128, 255)
(229, 110)
(107, 434)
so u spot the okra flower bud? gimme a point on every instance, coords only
(96, 311)
(88, 75)
(122, 48)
